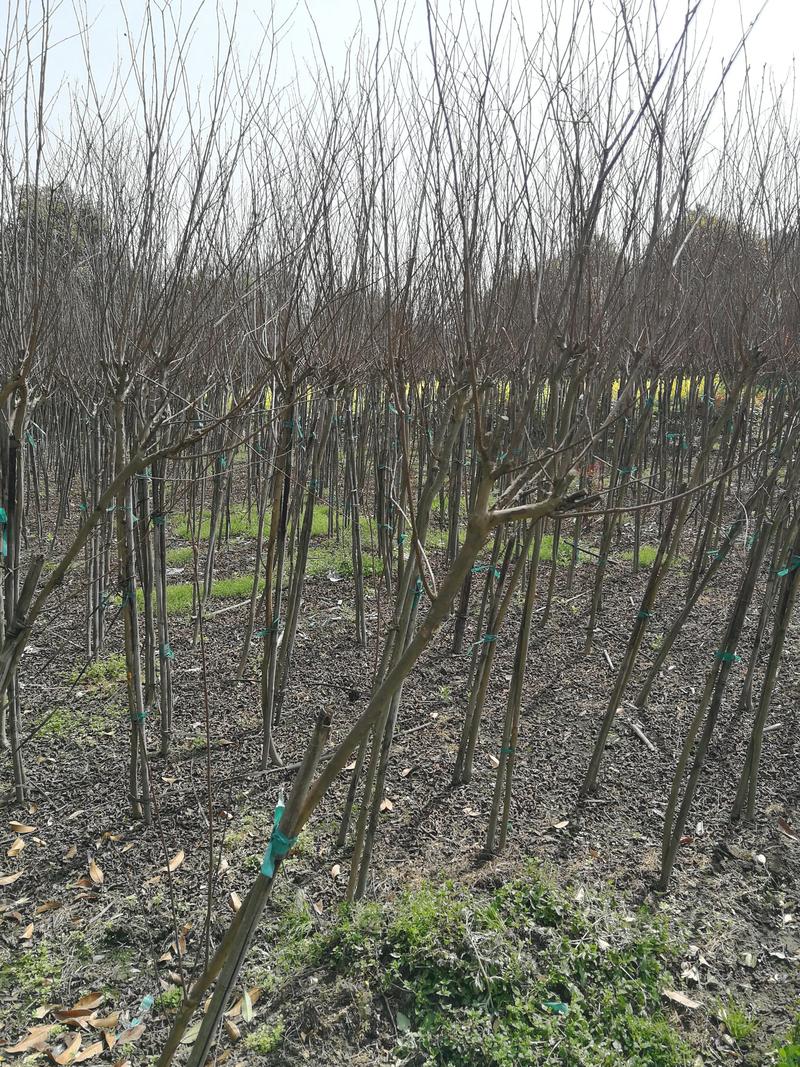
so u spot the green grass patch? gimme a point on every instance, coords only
(266, 1039)
(738, 1022)
(647, 555)
(789, 1052)
(103, 673)
(321, 559)
(170, 1000)
(179, 557)
(31, 975)
(518, 975)
(65, 721)
(244, 524)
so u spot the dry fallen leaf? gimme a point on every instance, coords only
(232, 1030)
(16, 847)
(254, 994)
(36, 1036)
(235, 901)
(48, 905)
(494, 761)
(90, 1052)
(247, 1007)
(108, 1022)
(21, 828)
(176, 861)
(677, 997)
(133, 1033)
(73, 1018)
(335, 869)
(71, 852)
(70, 1051)
(190, 1034)
(89, 1002)
(27, 933)
(405, 772)
(317, 906)
(96, 873)
(9, 879)
(387, 805)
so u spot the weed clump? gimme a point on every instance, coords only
(520, 975)
(266, 1039)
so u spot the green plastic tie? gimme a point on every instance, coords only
(713, 553)
(3, 525)
(272, 629)
(417, 594)
(556, 1007)
(393, 410)
(165, 652)
(501, 456)
(506, 750)
(83, 507)
(313, 485)
(222, 463)
(139, 716)
(648, 401)
(627, 470)
(642, 614)
(30, 439)
(279, 845)
(159, 519)
(487, 639)
(793, 565)
(386, 526)
(727, 657)
(401, 537)
(146, 475)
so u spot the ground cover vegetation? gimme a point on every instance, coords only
(400, 548)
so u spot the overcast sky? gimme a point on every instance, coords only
(335, 23)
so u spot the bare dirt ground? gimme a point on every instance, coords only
(93, 908)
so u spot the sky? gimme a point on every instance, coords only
(330, 26)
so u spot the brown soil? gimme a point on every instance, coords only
(737, 915)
